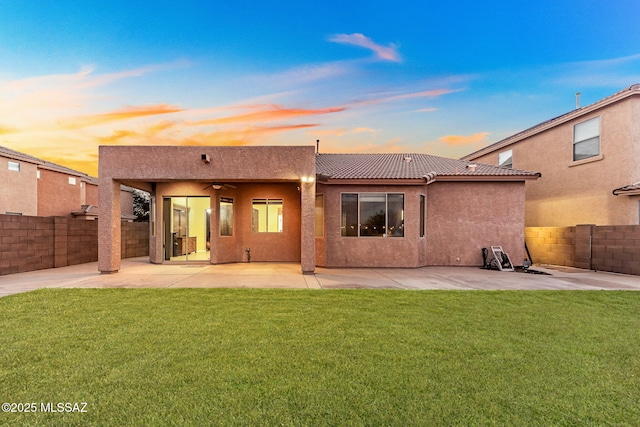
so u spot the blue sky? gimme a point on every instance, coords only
(444, 78)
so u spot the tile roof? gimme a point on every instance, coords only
(404, 166)
(62, 169)
(42, 164)
(7, 152)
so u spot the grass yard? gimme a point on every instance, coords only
(339, 357)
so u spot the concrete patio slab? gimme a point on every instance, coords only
(139, 273)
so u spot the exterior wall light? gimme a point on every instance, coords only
(308, 179)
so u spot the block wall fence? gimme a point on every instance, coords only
(30, 243)
(614, 248)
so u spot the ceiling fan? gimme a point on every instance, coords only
(219, 186)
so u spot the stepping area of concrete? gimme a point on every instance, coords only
(139, 273)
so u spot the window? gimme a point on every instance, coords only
(266, 216)
(14, 166)
(586, 139)
(319, 215)
(226, 216)
(423, 212)
(372, 215)
(72, 180)
(38, 175)
(505, 159)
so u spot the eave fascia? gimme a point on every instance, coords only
(331, 181)
(618, 192)
(484, 178)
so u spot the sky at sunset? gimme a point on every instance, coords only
(443, 78)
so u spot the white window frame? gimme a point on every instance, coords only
(590, 137)
(503, 157)
(279, 221)
(13, 166)
(72, 180)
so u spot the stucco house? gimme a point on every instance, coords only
(36, 187)
(291, 204)
(589, 159)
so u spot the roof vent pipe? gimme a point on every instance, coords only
(317, 146)
(577, 100)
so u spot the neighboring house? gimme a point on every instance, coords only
(19, 178)
(589, 159)
(60, 190)
(289, 204)
(36, 187)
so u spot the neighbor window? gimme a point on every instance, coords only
(72, 180)
(505, 159)
(319, 215)
(38, 174)
(372, 214)
(226, 216)
(586, 139)
(14, 166)
(266, 216)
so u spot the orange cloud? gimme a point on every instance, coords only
(387, 53)
(275, 112)
(457, 140)
(244, 136)
(129, 113)
(6, 129)
(116, 137)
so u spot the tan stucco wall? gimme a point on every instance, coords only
(91, 194)
(278, 169)
(18, 192)
(56, 197)
(265, 247)
(126, 206)
(464, 217)
(337, 251)
(570, 193)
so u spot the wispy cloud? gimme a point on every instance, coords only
(6, 129)
(267, 114)
(385, 53)
(600, 73)
(433, 93)
(127, 113)
(457, 140)
(306, 74)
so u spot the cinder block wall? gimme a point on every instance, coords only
(26, 243)
(551, 245)
(135, 239)
(30, 243)
(614, 248)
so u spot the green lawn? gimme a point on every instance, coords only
(339, 357)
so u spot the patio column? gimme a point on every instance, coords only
(109, 234)
(307, 227)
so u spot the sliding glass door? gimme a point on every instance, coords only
(187, 234)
